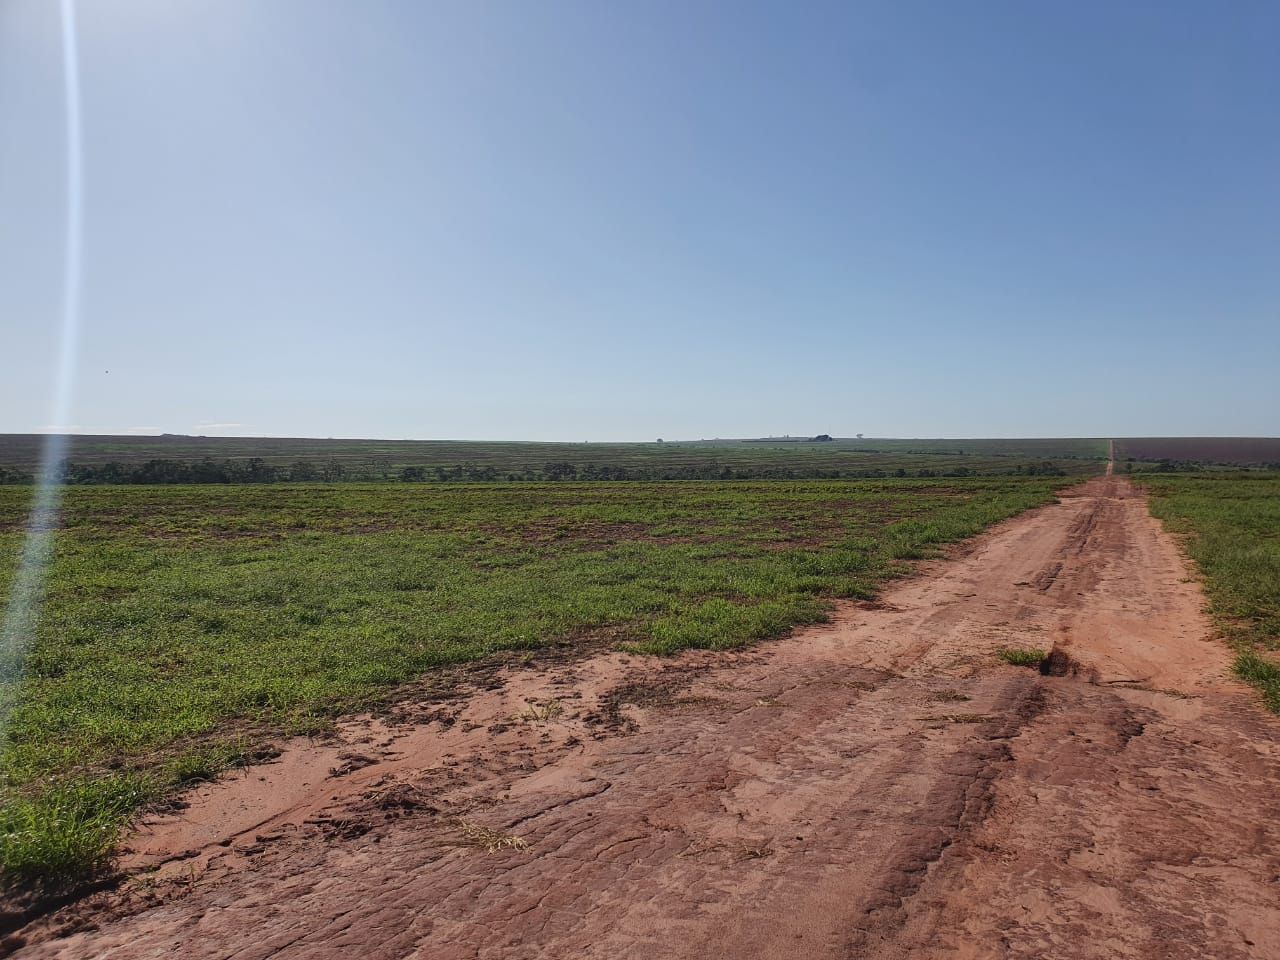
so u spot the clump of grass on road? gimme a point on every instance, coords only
(1021, 656)
(486, 838)
(1231, 525)
(185, 626)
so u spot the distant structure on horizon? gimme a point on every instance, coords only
(787, 438)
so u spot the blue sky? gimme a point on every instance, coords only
(620, 221)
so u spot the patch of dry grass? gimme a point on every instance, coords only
(490, 840)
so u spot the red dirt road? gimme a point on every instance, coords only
(881, 786)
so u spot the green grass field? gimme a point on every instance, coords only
(1232, 527)
(185, 626)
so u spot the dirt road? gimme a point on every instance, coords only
(881, 786)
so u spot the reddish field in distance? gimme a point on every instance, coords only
(1239, 450)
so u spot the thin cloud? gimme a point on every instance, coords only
(202, 427)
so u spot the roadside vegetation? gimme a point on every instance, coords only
(1232, 527)
(186, 626)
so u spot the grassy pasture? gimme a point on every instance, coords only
(1232, 527)
(186, 625)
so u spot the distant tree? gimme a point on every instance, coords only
(303, 471)
(206, 471)
(560, 470)
(257, 470)
(8, 475)
(163, 471)
(413, 474)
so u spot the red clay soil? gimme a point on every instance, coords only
(1241, 450)
(880, 786)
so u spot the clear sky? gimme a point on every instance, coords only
(628, 220)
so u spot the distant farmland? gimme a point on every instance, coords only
(785, 458)
(184, 459)
(1242, 451)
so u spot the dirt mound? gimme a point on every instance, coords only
(1059, 663)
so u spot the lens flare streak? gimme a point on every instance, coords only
(27, 587)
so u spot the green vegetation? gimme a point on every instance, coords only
(173, 459)
(1021, 656)
(1263, 674)
(1232, 528)
(184, 626)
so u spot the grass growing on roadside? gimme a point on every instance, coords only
(68, 829)
(1021, 656)
(184, 625)
(1232, 527)
(1263, 674)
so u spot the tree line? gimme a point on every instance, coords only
(1170, 465)
(257, 470)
